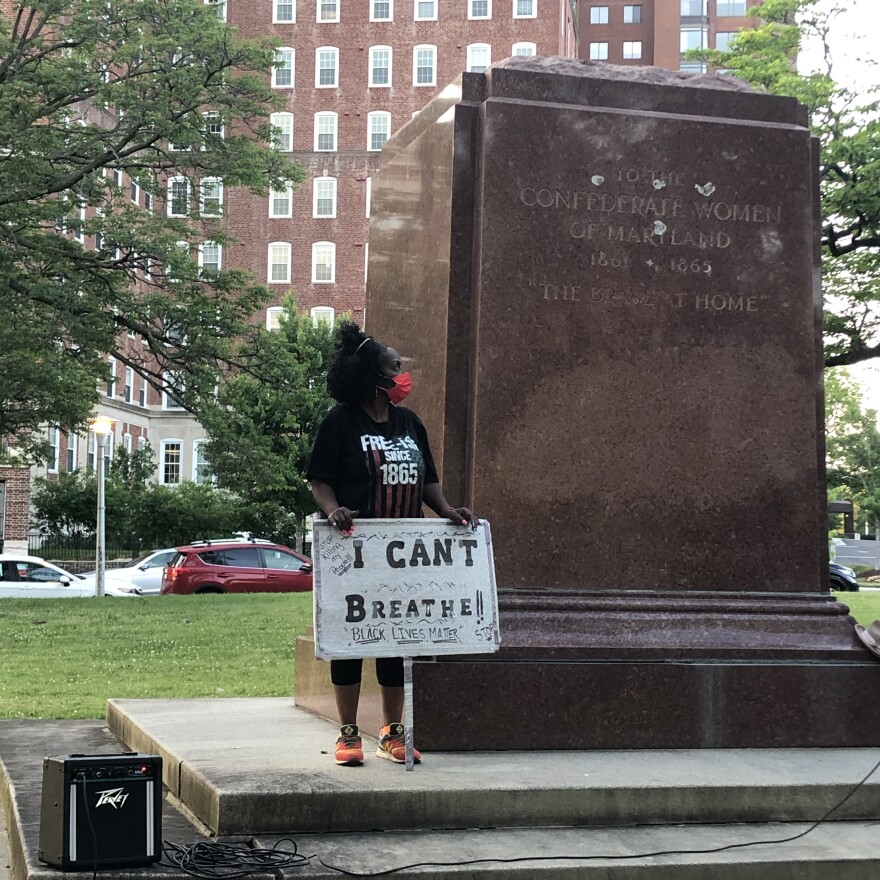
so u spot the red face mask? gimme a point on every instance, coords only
(401, 387)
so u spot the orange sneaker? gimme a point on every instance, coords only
(392, 745)
(349, 750)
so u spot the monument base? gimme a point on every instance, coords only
(640, 671)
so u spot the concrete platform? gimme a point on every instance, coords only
(262, 768)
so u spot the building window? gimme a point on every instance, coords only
(110, 389)
(170, 380)
(126, 442)
(425, 10)
(378, 129)
(142, 443)
(282, 131)
(169, 457)
(54, 436)
(91, 452)
(598, 51)
(369, 195)
(142, 394)
(326, 67)
(324, 197)
(282, 72)
(148, 201)
(128, 390)
(134, 192)
(273, 317)
(632, 49)
(479, 57)
(283, 11)
(219, 7)
(381, 10)
(380, 66)
(524, 50)
(424, 65)
(323, 313)
(694, 8)
(323, 262)
(211, 196)
(325, 132)
(72, 449)
(210, 257)
(279, 263)
(525, 8)
(201, 470)
(694, 38)
(328, 10)
(281, 202)
(692, 67)
(479, 8)
(598, 15)
(722, 40)
(730, 8)
(178, 196)
(212, 127)
(632, 14)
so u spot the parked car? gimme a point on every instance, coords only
(30, 577)
(237, 566)
(142, 576)
(842, 579)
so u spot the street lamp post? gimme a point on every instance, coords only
(102, 428)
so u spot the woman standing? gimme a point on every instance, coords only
(372, 459)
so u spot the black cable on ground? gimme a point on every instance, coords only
(219, 861)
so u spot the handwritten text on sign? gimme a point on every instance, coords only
(404, 587)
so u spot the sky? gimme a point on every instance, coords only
(855, 50)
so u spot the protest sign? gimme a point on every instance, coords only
(404, 587)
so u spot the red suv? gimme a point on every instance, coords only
(232, 566)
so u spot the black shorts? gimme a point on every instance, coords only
(389, 671)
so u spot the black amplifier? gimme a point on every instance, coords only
(101, 810)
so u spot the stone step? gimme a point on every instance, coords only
(249, 766)
(833, 851)
(248, 750)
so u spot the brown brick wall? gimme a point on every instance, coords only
(659, 30)
(352, 164)
(16, 513)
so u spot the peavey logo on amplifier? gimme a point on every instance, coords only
(113, 797)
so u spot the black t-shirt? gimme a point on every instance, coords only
(377, 468)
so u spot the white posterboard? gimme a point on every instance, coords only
(404, 587)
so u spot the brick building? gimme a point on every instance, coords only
(353, 72)
(658, 31)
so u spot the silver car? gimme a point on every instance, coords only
(142, 576)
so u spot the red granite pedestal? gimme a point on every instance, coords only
(605, 283)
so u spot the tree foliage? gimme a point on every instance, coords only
(261, 430)
(138, 512)
(852, 445)
(92, 93)
(848, 128)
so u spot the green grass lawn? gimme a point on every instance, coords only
(63, 658)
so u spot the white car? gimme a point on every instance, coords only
(142, 576)
(29, 577)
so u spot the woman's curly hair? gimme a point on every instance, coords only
(355, 365)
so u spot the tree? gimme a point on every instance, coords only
(852, 446)
(140, 513)
(97, 96)
(848, 128)
(260, 431)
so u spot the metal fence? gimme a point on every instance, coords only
(78, 548)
